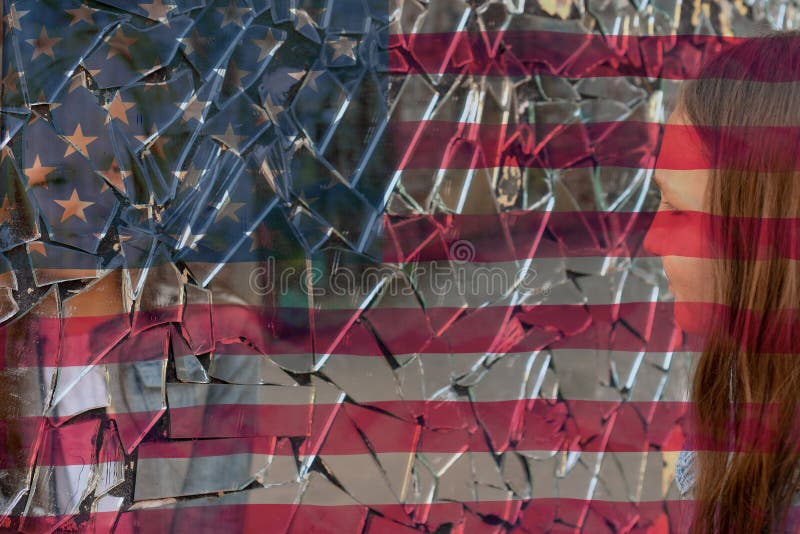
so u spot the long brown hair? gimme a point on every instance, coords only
(744, 490)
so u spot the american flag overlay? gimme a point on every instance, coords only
(343, 265)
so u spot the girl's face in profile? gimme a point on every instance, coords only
(681, 190)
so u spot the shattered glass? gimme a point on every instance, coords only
(370, 265)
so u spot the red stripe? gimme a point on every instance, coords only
(538, 424)
(421, 426)
(498, 329)
(72, 444)
(239, 420)
(452, 145)
(438, 144)
(531, 516)
(571, 55)
(518, 235)
(489, 329)
(351, 518)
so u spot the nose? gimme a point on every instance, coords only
(655, 237)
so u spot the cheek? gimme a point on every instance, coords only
(690, 278)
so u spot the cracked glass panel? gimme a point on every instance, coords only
(368, 265)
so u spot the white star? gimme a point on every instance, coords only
(342, 47)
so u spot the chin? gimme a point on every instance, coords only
(692, 317)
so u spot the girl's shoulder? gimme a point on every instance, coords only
(685, 475)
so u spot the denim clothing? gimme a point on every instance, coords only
(684, 471)
(685, 479)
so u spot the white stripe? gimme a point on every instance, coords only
(468, 476)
